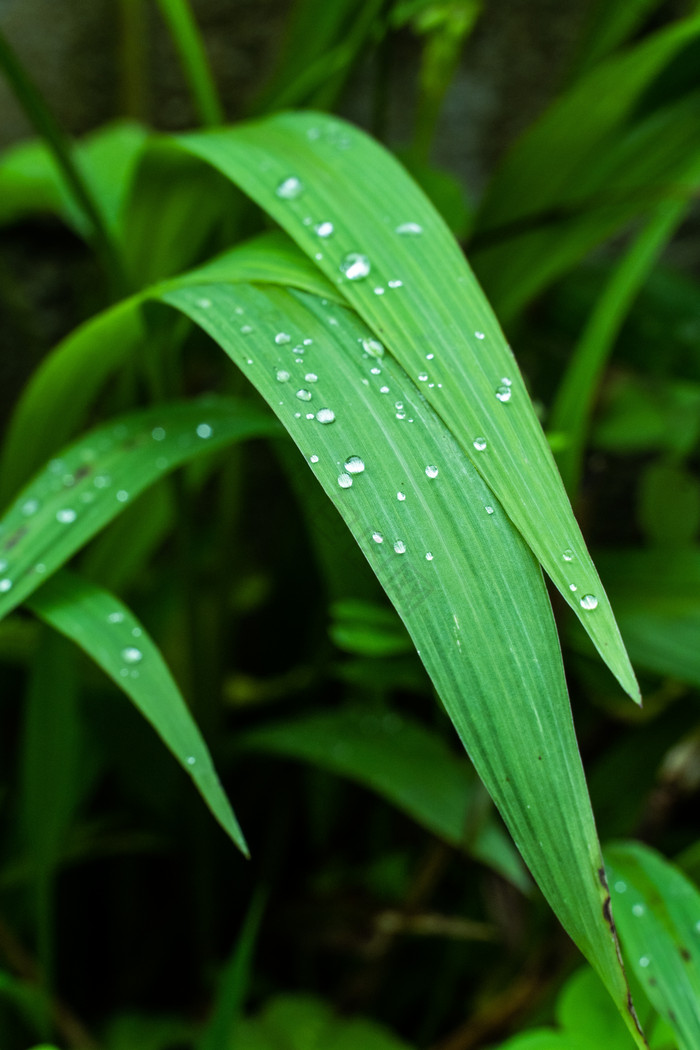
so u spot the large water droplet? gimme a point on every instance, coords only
(401, 496)
(5, 586)
(589, 601)
(204, 430)
(355, 266)
(377, 537)
(400, 547)
(373, 347)
(428, 555)
(323, 229)
(325, 415)
(479, 444)
(282, 376)
(431, 471)
(131, 655)
(282, 338)
(66, 516)
(354, 465)
(409, 229)
(290, 188)
(345, 481)
(304, 395)
(503, 393)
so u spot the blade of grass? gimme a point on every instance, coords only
(187, 38)
(609, 24)
(76, 495)
(458, 572)
(415, 290)
(112, 636)
(657, 911)
(402, 761)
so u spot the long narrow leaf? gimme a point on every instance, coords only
(110, 633)
(458, 572)
(355, 211)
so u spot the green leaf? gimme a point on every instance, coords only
(657, 911)
(178, 16)
(668, 508)
(456, 569)
(77, 494)
(435, 322)
(113, 637)
(367, 629)
(403, 762)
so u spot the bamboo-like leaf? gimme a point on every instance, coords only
(403, 762)
(115, 639)
(193, 57)
(77, 494)
(455, 567)
(354, 210)
(657, 911)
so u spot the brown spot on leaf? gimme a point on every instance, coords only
(685, 954)
(14, 539)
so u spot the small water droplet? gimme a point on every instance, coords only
(431, 471)
(378, 538)
(395, 284)
(136, 632)
(428, 555)
(422, 377)
(429, 357)
(375, 371)
(282, 338)
(204, 430)
(30, 507)
(620, 887)
(313, 459)
(506, 381)
(40, 567)
(401, 496)
(400, 415)
(5, 586)
(479, 444)
(158, 433)
(282, 376)
(304, 395)
(383, 389)
(191, 760)
(204, 303)
(311, 377)
(589, 602)
(66, 516)
(568, 554)
(102, 481)
(373, 347)
(115, 617)
(573, 587)
(379, 291)
(3, 566)
(246, 329)
(479, 335)
(323, 229)
(409, 229)
(345, 481)
(308, 342)
(325, 415)
(122, 495)
(131, 655)
(290, 188)
(638, 909)
(355, 266)
(489, 510)
(644, 961)
(503, 393)
(400, 547)
(354, 465)
(309, 415)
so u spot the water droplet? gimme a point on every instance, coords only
(573, 587)
(378, 538)
(373, 347)
(644, 961)
(191, 760)
(204, 430)
(246, 329)
(309, 415)
(204, 303)
(383, 389)
(325, 415)
(5, 586)
(3, 566)
(136, 632)
(304, 395)
(422, 377)
(400, 415)
(323, 229)
(568, 554)
(489, 510)
(282, 376)
(158, 433)
(40, 567)
(375, 371)
(355, 266)
(30, 507)
(401, 496)
(638, 909)
(479, 335)
(479, 444)
(395, 284)
(354, 465)
(506, 381)
(431, 471)
(66, 516)
(308, 342)
(131, 655)
(429, 357)
(409, 229)
(102, 481)
(400, 547)
(428, 555)
(115, 617)
(620, 887)
(311, 377)
(379, 291)
(589, 601)
(282, 338)
(345, 481)
(503, 393)
(122, 495)
(290, 188)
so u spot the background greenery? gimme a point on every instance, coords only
(384, 904)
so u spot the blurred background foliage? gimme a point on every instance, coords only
(560, 143)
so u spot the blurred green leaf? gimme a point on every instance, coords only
(179, 19)
(668, 504)
(367, 629)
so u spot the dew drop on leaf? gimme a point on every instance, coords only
(377, 537)
(30, 507)
(66, 516)
(401, 496)
(158, 433)
(5, 586)
(568, 554)
(409, 229)
(373, 347)
(638, 909)
(282, 376)
(355, 266)
(431, 471)
(400, 547)
(503, 393)
(122, 495)
(428, 555)
(282, 338)
(479, 444)
(589, 602)
(191, 760)
(354, 465)
(479, 335)
(395, 284)
(325, 415)
(304, 395)
(204, 430)
(313, 459)
(323, 229)
(131, 655)
(290, 188)
(345, 481)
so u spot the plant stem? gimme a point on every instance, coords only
(193, 57)
(133, 62)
